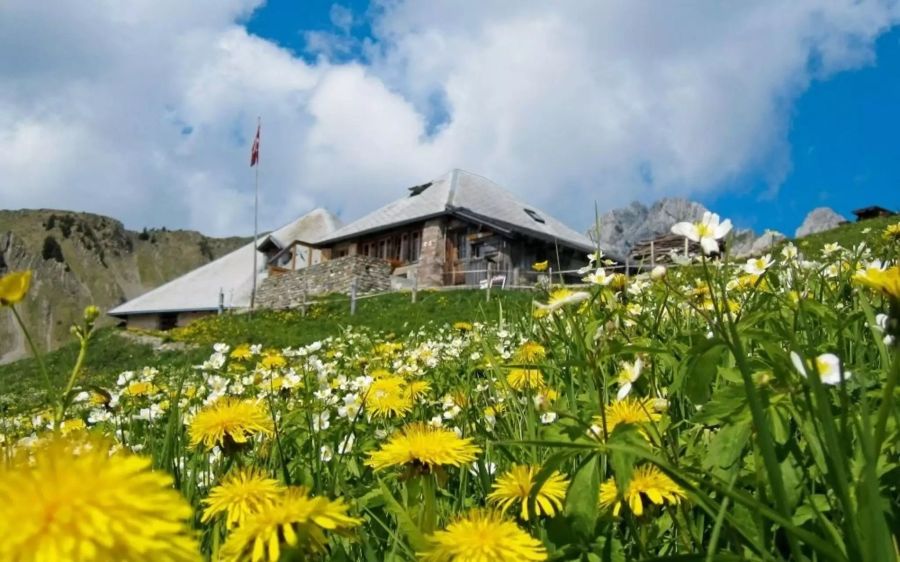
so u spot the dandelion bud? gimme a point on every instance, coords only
(658, 272)
(91, 313)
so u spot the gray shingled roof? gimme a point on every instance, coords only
(468, 195)
(232, 273)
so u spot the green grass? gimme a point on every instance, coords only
(848, 235)
(22, 387)
(391, 313)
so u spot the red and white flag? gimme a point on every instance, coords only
(254, 152)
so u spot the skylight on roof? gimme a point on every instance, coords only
(417, 189)
(534, 216)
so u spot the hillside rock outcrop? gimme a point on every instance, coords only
(621, 229)
(80, 259)
(819, 220)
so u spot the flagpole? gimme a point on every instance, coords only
(255, 222)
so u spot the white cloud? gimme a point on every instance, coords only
(145, 110)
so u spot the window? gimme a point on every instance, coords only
(417, 189)
(534, 216)
(415, 246)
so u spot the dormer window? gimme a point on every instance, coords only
(417, 189)
(534, 216)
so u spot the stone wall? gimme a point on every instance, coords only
(333, 276)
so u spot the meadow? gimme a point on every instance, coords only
(722, 410)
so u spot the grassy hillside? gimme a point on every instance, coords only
(848, 235)
(21, 386)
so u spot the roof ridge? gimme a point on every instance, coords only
(451, 193)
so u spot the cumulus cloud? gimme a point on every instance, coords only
(145, 110)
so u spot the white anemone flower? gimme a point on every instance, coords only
(598, 277)
(707, 231)
(789, 252)
(758, 266)
(629, 373)
(827, 365)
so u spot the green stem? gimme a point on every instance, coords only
(887, 402)
(35, 353)
(76, 370)
(764, 437)
(429, 496)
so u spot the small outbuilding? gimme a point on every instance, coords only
(872, 212)
(228, 281)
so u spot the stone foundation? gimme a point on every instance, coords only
(287, 290)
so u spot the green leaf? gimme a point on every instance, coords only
(726, 446)
(404, 520)
(622, 461)
(583, 497)
(701, 368)
(726, 401)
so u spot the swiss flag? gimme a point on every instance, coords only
(254, 152)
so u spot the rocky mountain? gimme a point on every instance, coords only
(819, 220)
(621, 229)
(80, 259)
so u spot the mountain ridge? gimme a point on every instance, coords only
(84, 258)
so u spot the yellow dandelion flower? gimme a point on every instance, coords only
(241, 352)
(647, 481)
(530, 352)
(521, 379)
(415, 389)
(241, 494)
(72, 425)
(380, 374)
(541, 266)
(14, 286)
(628, 411)
(619, 282)
(463, 326)
(515, 487)
(228, 422)
(422, 446)
(483, 536)
(139, 388)
(892, 232)
(273, 360)
(460, 397)
(297, 520)
(886, 281)
(388, 397)
(563, 297)
(74, 501)
(387, 349)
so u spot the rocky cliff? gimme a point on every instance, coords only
(819, 220)
(621, 229)
(80, 259)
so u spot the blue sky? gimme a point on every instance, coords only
(844, 146)
(145, 110)
(844, 130)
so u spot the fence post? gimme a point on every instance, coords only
(353, 297)
(686, 247)
(221, 301)
(652, 253)
(415, 287)
(488, 294)
(303, 297)
(549, 278)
